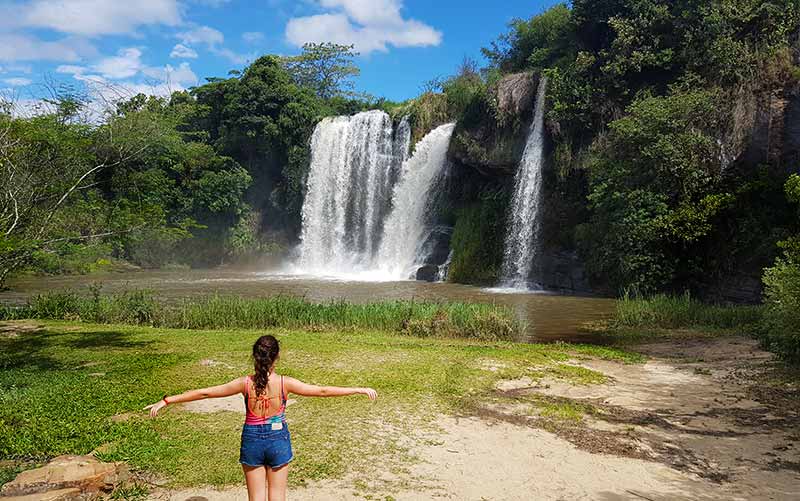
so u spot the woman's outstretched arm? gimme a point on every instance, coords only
(292, 385)
(223, 390)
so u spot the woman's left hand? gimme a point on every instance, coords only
(154, 408)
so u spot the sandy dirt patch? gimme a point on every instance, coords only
(471, 459)
(698, 406)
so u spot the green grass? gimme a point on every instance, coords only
(563, 411)
(61, 385)
(684, 312)
(575, 374)
(424, 319)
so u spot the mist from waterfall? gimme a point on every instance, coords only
(364, 212)
(405, 232)
(522, 227)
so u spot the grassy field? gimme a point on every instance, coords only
(68, 387)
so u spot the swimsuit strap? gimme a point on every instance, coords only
(283, 392)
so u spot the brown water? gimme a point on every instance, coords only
(549, 317)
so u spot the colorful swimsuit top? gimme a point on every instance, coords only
(263, 402)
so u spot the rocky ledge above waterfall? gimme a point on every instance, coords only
(494, 143)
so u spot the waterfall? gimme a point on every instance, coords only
(349, 185)
(406, 230)
(365, 209)
(521, 243)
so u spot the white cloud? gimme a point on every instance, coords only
(17, 68)
(181, 51)
(99, 17)
(18, 82)
(127, 63)
(18, 47)
(213, 40)
(368, 12)
(181, 76)
(70, 69)
(253, 37)
(370, 25)
(232, 56)
(202, 35)
(125, 75)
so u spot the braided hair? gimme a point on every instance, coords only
(265, 352)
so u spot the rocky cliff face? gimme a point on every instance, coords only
(764, 131)
(494, 144)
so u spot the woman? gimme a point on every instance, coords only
(266, 445)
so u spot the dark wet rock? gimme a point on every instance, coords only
(563, 271)
(428, 273)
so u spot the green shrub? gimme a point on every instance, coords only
(72, 259)
(780, 328)
(426, 113)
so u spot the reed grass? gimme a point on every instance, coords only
(684, 312)
(424, 319)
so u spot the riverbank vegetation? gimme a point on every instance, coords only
(422, 319)
(774, 324)
(77, 387)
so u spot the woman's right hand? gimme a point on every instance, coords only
(372, 394)
(154, 408)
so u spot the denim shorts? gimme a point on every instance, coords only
(263, 446)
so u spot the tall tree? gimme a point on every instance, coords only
(328, 68)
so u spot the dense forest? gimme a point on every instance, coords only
(674, 149)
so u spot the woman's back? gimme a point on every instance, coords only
(267, 406)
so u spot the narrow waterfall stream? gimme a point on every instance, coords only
(364, 212)
(522, 230)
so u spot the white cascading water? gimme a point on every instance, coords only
(364, 212)
(523, 221)
(349, 184)
(444, 269)
(405, 230)
(402, 140)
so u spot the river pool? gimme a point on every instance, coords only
(550, 317)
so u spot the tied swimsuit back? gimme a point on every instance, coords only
(265, 437)
(262, 404)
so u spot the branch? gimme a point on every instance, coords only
(81, 179)
(16, 213)
(95, 235)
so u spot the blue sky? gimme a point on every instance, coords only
(157, 46)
